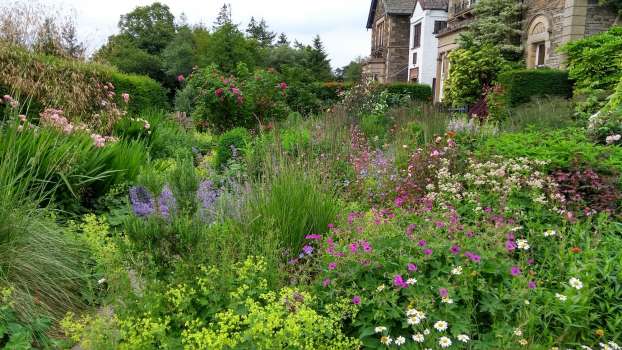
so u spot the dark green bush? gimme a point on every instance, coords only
(145, 93)
(235, 138)
(329, 92)
(520, 86)
(417, 92)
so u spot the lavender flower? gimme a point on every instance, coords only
(167, 203)
(142, 201)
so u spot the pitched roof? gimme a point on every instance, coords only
(434, 4)
(392, 7)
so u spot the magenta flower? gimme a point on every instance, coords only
(307, 249)
(455, 250)
(399, 201)
(332, 266)
(440, 224)
(470, 234)
(398, 281)
(331, 226)
(316, 237)
(410, 229)
(181, 78)
(443, 292)
(422, 243)
(412, 267)
(510, 236)
(427, 251)
(515, 271)
(510, 245)
(326, 282)
(531, 285)
(354, 247)
(219, 92)
(530, 262)
(366, 246)
(356, 300)
(283, 85)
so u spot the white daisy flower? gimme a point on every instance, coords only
(426, 331)
(440, 326)
(447, 300)
(400, 341)
(457, 270)
(380, 329)
(444, 342)
(101, 281)
(518, 332)
(418, 338)
(386, 340)
(414, 320)
(464, 338)
(411, 281)
(561, 297)
(575, 283)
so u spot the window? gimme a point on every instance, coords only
(380, 34)
(414, 58)
(438, 26)
(540, 54)
(417, 35)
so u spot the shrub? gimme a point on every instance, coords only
(331, 92)
(417, 92)
(71, 85)
(230, 145)
(522, 85)
(595, 64)
(606, 125)
(376, 127)
(250, 99)
(294, 141)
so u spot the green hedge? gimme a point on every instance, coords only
(520, 86)
(70, 84)
(417, 92)
(328, 92)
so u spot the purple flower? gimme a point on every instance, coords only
(422, 243)
(142, 201)
(470, 234)
(510, 245)
(398, 281)
(307, 249)
(356, 300)
(531, 285)
(207, 194)
(510, 236)
(410, 229)
(332, 266)
(427, 251)
(440, 224)
(167, 202)
(354, 247)
(443, 292)
(515, 271)
(530, 262)
(455, 250)
(366, 246)
(326, 282)
(412, 267)
(476, 258)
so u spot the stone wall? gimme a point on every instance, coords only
(599, 19)
(398, 48)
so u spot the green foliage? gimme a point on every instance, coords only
(561, 148)
(145, 94)
(234, 140)
(607, 123)
(228, 47)
(293, 204)
(151, 27)
(123, 53)
(417, 92)
(595, 64)
(376, 127)
(471, 70)
(497, 23)
(540, 114)
(520, 86)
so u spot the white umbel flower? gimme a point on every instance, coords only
(522, 244)
(575, 283)
(380, 329)
(561, 297)
(464, 338)
(457, 270)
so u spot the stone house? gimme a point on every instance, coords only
(428, 19)
(389, 21)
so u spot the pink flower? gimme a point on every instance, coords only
(398, 281)
(531, 285)
(307, 249)
(366, 246)
(331, 226)
(354, 247)
(332, 266)
(283, 85)
(412, 267)
(443, 292)
(219, 92)
(316, 237)
(356, 300)
(422, 243)
(326, 282)
(427, 251)
(126, 97)
(455, 250)
(510, 246)
(235, 91)
(515, 271)
(181, 78)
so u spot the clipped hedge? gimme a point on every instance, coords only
(417, 92)
(520, 86)
(72, 85)
(329, 92)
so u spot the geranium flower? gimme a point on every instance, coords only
(398, 281)
(326, 282)
(307, 249)
(427, 251)
(455, 250)
(422, 243)
(443, 292)
(356, 300)
(515, 271)
(412, 267)
(531, 285)
(332, 266)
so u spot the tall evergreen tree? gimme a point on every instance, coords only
(48, 39)
(260, 32)
(282, 40)
(72, 47)
(224, 16)
(318, 60)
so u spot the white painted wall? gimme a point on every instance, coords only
(428, 51)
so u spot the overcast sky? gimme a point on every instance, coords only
(340, 23)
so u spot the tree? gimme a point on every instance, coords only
(227, 47)
(282, 40)
(260, 32)
(318, 60)
(122, 52)
(353, 71)
(224, 17)
(48, 40)
(150, 27)
(72, 47)
(497, 23)
(178, 57)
